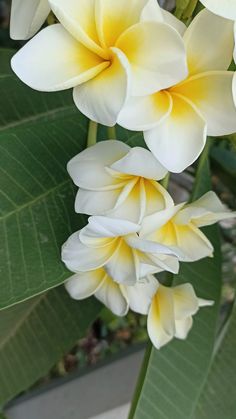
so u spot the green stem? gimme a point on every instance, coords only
(188, 12)
(92, 133)
(140, 381)
(111, 133)
(165, 181)
(202, 164)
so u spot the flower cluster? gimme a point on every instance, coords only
(146, 71)
(135, 230)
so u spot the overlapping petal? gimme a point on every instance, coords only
(215, 35)
(140, 295)
(207, 210)
(177, 226)
(110, 294)
(102, 98)
(145, 112)
(78, 18)
(114, 17)
(212, 94)
(178, 140)
(171, 312)
(27, 16)
(156, 54)
(40, 65)
(99, 284)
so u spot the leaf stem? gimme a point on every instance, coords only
(111, 133)
(203, 166)
(140, 381)
(92, 133)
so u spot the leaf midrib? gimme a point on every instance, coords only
(33, 201)
(52, 114)
(22, 320)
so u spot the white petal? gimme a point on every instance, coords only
(178, 140)
(110, 294)
(212, 94)
(209, 42)
(78, 17)
(87, 168)
(102, 98)
(83, 285)
(80, 258)
(224, 8)
(152, 12)
(160, 324)
(114, 17)
(205, 303)
(131, 204)
(182, 328)
(174, 22)
(101, 226)
(96, 203)
(157, 220)
(164, 262)
(27, 16)
(185, 301)
(193, 243)
(140, 295)
(145, 112)
(123, 267)
(157, 197)
(140, 162)
(205, 211)
(60, 62)
(148, 246)
(156, 54)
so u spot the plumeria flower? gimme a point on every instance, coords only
(27, 17)
(179, 226)
(105, 50)
(170, 313)
(115, 245)
(224, 8)
(117, 297)
(118, 181)
(177, 120)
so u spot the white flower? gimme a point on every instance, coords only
(179, 225)
(115, 245)
(103, 49)
(170, 313)
(177, 120)
(27, 17)
(116, 297)
(118, 181)
(224, 8)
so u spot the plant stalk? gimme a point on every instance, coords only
(92, 133)
(111, 133)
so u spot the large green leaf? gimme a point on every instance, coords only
(171, 380)
(39, 133)
(36, 333)
(218, 399)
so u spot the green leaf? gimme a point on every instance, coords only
(39, 133)
(36, 334)
(217, 399)
(169, 386)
